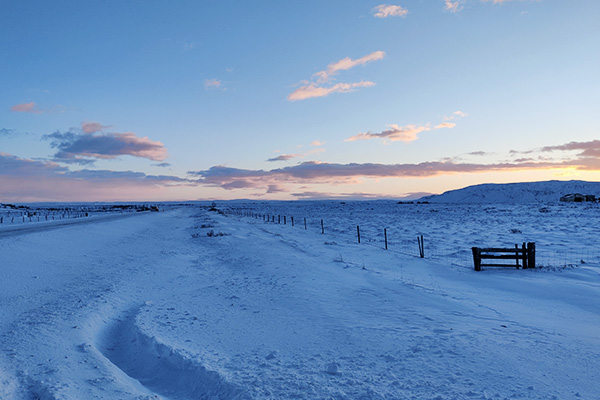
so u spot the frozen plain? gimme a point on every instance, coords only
(151, 307)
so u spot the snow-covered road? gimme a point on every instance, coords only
(152, 307)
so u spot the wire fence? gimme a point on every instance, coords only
(431, 235)
(18, 215)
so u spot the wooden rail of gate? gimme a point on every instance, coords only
(525, 254)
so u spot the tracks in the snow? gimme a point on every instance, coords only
(159, 367)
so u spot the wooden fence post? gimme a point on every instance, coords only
(531, 254)
(421, 246)
(284, 220)
(322, 227)
(358, 233)
(476, 258)
(292, 221)
(385, 236)
(304, 223)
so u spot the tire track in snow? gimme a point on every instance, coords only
(159, 367)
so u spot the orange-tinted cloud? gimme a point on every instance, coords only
(212, 83)
(448, 125)
(407, 133)
(286, 157)
(387, 10)
(319, 87)
(26, 107)
(91, 127)
(345, 64)
(313, 90)
(452, 5)
(455, 115)
(396, 133)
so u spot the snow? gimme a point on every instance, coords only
(516, 193)
(149, 306)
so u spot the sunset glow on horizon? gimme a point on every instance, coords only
(155, 101)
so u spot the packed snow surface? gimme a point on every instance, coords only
(195, 304)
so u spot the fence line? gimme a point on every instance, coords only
(383, 240)
(23, 215)
(416, 245)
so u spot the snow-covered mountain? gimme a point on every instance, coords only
(525, 192)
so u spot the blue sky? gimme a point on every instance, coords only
(150, 100)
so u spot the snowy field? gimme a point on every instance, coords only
(193, 304)
(15, 217)
(565, 233)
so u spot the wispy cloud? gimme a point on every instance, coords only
(448, 125)
(313, 90)
(387, 10)
(496, 1)
(345, 64)
(455, 115)
(26, 108)
(320, 86)
(452, 5)
(187, 46)
(317, 143)
(91, 127)
(396, 133)
(83, 147)
(588, 149)
(212, 83)
(284, 157)
(406, 133)
(32, 108)
(6, 132)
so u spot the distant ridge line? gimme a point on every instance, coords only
(516, 193)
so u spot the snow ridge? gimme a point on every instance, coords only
(159, 367)
(515, 193)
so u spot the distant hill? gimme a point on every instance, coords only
(526, 192)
